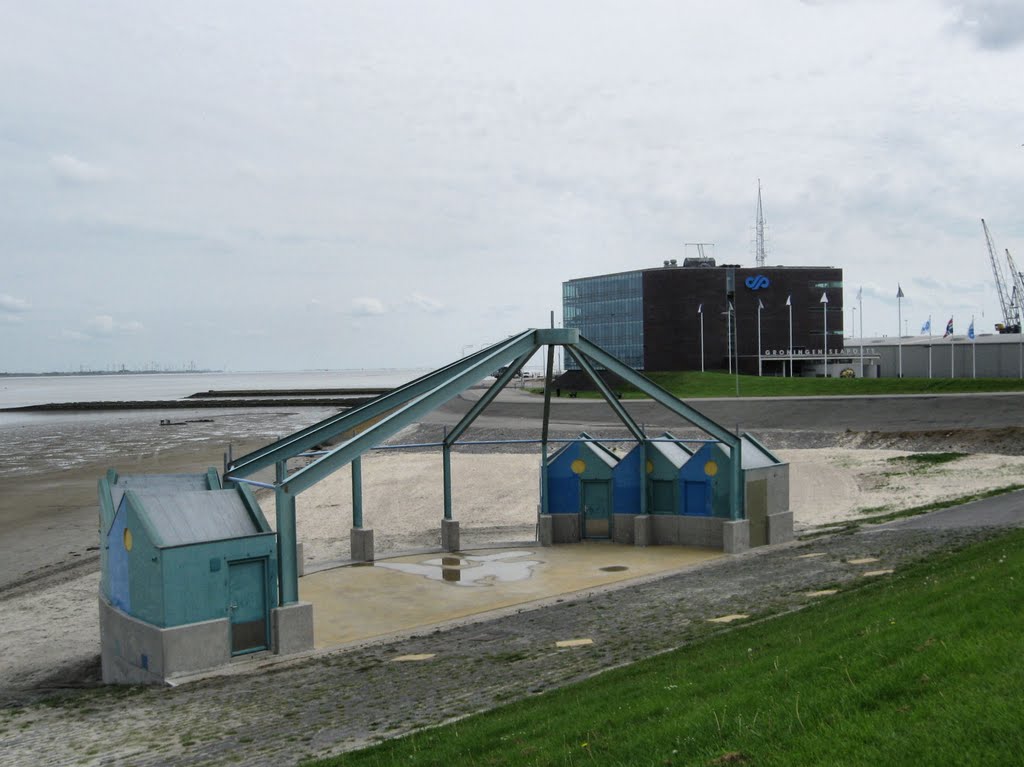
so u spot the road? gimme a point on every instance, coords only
(901, 413)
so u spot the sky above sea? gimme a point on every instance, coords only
(391, 184)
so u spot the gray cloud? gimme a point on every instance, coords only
(13, 305)
(992, 24)
(367, 306)
(71, 169)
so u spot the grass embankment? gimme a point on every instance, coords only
(690, 384)
(920, 668)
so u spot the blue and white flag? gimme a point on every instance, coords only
(927, 327)
(970, 330)
(949, 328)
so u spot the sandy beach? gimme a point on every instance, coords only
(495, 499)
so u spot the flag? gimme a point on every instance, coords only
(949, 328)
(700, 309)
(970, 330)
(759, 304)
(927, 327)
(788, 302)
(824, 298)
(899, 291)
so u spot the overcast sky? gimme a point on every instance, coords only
(344, 185)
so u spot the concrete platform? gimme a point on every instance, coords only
(365, 600)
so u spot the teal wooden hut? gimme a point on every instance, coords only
(579, 487)
(188, 575)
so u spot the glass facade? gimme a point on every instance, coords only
(607, 310)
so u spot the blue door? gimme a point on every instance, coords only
(696, 494)
(596, 509)
(247, 605)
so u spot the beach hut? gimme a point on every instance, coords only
(579, 490)
(188, 575)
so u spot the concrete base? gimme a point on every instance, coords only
(642, 530)
(449, 535)
(622, 529)
(565, 528)
(292, 628)
(361, 544)
(136, 652)
(545, 528)
(735, 536)
(780, 527)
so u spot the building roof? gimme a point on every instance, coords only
(153, 483)
(178, 518)
(676, 454)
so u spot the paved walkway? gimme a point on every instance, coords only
(334, 702)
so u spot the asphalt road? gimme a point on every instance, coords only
(836, 414)
(1001, 511)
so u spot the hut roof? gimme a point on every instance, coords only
(178, 518)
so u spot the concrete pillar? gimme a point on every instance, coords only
(780, 527)
(642, 530)
(292, 628)
(361, 544)
(449, 535)
(357, 492)
(735, 536)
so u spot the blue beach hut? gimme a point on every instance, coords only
(579, 490)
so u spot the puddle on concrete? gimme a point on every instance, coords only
(614, 568)
(471, 569)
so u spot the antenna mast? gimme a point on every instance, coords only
(760, 229)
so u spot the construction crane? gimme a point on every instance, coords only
(1018, 285)
(1011, 322)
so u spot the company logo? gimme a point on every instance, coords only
(757, 282)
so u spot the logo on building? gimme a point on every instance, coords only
(757, 282)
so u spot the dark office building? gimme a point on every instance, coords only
(651, 318)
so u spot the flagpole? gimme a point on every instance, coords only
(789, 303)
(760, 306)
(736, 346)
(899, 326)
(700, 313)
(974, 351)
(952, 350)
(824, 314)
(929, 346)
(860, 302)
(728, 333)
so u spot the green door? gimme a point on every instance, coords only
(247, 605)
(596, 509)
(663, 496)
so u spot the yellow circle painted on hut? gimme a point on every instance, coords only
(127, 539)
(578, 466)
(711, 468)
(650, 467)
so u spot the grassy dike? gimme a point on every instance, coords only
(922, 667)
(691, 385)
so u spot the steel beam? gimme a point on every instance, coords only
(357, 492)
(608, 394)
(390, 425)
(489, 396)
(287, 558)
(329, 428)
(446, 459)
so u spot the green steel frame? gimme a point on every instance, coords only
(384, 417)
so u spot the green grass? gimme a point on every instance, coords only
(921, 668)
(924, 460)
(691, 384)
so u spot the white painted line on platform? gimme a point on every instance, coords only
(862, 561)
(873, 573)
(406, 658)
(822, 593)
(728, 618)
(809, 556)
(574, 642)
